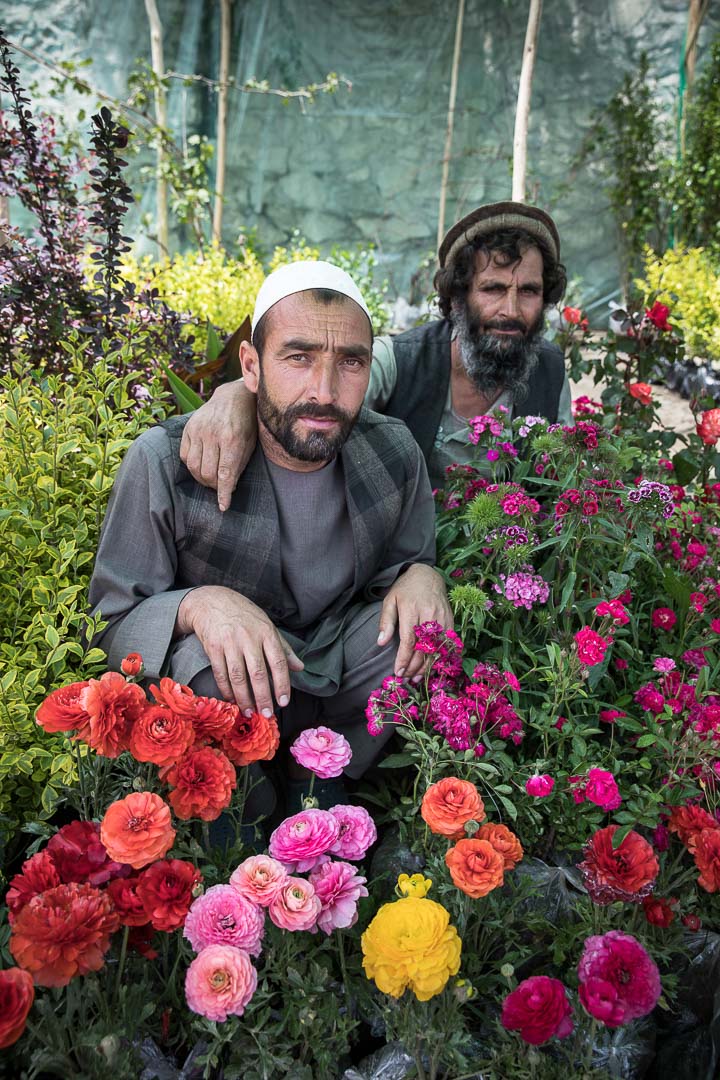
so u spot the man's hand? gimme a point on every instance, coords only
(219, 439)
(417, 596)
(244, 648)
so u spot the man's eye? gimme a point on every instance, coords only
(354, 361)
(297, 357)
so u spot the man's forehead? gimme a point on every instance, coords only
(302, 310)
(530, 262)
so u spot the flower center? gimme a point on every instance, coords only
(219, 979)
(138, 824)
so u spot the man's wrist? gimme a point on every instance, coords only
(184, 620)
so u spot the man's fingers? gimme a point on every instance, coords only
(258, 675)
(191, 454)
(229, 467)
(232, 688)
(294, 661)
(279, 669)
(407, 648)
(388, 619)
(209, 465)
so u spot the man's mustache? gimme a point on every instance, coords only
(316, 412)
(506, 324)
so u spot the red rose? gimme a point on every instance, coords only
(538, 1009)
(17, 994)
(572, 315)
(708, 427)
(658, 315)
(80, 855)
(64, 932)
(627, 872)
(113, 706)
(62, 710)
(659, 912)
(203, 783)
(129, 906)
(38, 874)
(160, 736)
(166, 892)
(132, 664)
(641, 391)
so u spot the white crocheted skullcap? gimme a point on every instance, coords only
(299, 277)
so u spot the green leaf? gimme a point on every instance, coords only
(646, 740)
(213, 345)
(686, 466)
(620, 834)
(512, 812)
(396, 761)
(185, 396)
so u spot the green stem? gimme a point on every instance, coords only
(121, 961)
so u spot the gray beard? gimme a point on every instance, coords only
(495, 364)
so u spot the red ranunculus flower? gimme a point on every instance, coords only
(38, 874)
(687, 821)
(160, 735)
(79, 854)
(252, 738)
(213, 718)
(658, 315)
(166, 891)
(17, 994)
(132, 664)
(627, 872)
(113, 706)
(641, 391)
(64, 932)
(705, 849)
(63, 711)
(708, 427)
(658, 911)
(129, 906)
(538, 1009)
(203, 782)
(180, 699)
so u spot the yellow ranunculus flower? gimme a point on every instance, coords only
(410, 943)
(417, 885)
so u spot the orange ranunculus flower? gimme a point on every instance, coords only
(252, 738)
(113, 705)
(625, 873)
(17, 994)
(137, 829)
(62, 711)
(705, 849)
(475, 867)
(688, 821)
(708, 427)
(132, 664)
(203, 783)
(160, 736)
(448, 804)
(213, 718)
(641, 391)
(181, 699)
(64, 932)
(38, 873)
(505, 843)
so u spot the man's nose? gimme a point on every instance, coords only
(324, 385)
(510, 303)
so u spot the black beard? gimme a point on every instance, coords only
(495, 363)
(313, 447)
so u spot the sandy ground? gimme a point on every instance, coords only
(674, 410)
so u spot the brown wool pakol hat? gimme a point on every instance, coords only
(494, 216)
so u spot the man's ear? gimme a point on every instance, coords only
(250, 364)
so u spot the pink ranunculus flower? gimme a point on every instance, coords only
(664, 664)
(297, 906)
(602, 789)
(220, 982)
(339, 887)
(259, 879)
(619, 981)
(221, 916)
(591, 647)
(539, 786)
(357, 832)
(301, 841)
(322, 751)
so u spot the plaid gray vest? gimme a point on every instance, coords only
(240, 548)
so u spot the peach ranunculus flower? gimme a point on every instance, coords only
(296, 906)
(708, 426)
(641, 391)
(504, 841)
(137, 830)
(449, 804)
(475, 867)
(259, 878)
(220, 982)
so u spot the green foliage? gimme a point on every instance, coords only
(61, 440)
(698, 179)
(688, 281)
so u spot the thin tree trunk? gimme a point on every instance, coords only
(696, 13)
(158, 66)
(522, 113)
(450, 120)
(221, 142)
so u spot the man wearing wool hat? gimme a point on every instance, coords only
(499, 269)
(306, 591)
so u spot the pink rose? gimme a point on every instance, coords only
(540, 786)
(602, 789)
(221, 916)
(511, 680)
(296, 906)
(339, 887)
(300, 841)
(220, 982)
(619, 982)
(538, 1009)
(259, 879)
(322, 751)
(591, 647)
(664, 664)
(357, 832)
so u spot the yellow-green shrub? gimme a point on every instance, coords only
(688, 281)
(61, 440)
(207, 285)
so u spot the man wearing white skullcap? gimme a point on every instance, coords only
(303, 595)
